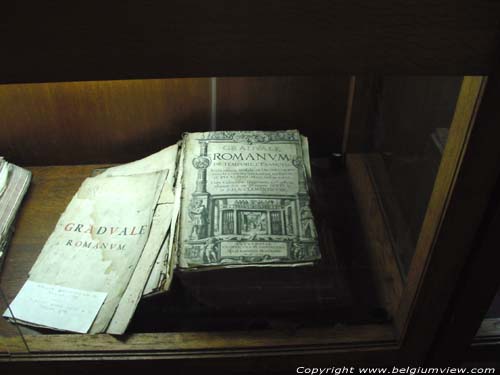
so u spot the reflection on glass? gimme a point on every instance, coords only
(368, 199)
(490, 326)
(411, 131)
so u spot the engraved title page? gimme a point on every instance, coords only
(245, 200)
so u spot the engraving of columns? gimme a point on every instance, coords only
(216, 217)
(301, 169)
(201, 181)
(235, 222)
(296, 216)
(302, 180)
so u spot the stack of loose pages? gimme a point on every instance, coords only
(98, 261)
(14, 182)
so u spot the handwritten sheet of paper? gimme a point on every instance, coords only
(56, 307)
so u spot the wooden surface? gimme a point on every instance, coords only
(390, 207)
(251, 361)
(50, 192)
(389, 282)
(465, 333)
(363, 114)
(315, 105)
(362, 335)
(98, 122)
(435, 273)
(43, 206)
(118, 121)
(135, 39)
(349, 113)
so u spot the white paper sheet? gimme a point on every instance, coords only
(4, 174)
(55, 306)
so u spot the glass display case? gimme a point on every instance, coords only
(400, 106)
(388, 157)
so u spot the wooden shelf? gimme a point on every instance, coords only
(51, 190)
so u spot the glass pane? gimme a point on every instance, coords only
(374, 148)
(490, 327)
(410, 135)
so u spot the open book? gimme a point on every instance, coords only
(216, 200)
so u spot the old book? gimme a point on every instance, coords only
(92, 270)
(247, 239)
(245, 201)
(216, 201)
(14, 182)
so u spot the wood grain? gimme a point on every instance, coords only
(247, 361)
(138, 39)
(342, 336)
(98, 122)
(118, 121)
(396, 223)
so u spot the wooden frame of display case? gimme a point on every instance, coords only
(398, 296)
(465, 334)
(464, 314)
(291, 39)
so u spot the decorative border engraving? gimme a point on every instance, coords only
(249, 228)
